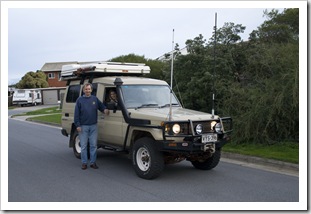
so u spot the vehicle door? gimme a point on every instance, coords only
(110, 129)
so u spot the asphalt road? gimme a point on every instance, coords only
(42, 168)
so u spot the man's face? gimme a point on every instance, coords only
(87, 90)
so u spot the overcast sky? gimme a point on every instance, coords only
(38, 33)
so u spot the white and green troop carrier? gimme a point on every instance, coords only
(148, 122)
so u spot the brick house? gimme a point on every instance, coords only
(52, 71)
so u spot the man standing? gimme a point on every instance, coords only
(85, 119)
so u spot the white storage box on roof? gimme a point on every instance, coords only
(106, 68)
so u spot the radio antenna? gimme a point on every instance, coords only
(171, 94)
(214, 69)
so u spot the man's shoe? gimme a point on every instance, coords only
(94, 166)
(84, 166)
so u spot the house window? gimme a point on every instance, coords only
(51, 76)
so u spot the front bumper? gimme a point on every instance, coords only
(187, 140)
(191, 146)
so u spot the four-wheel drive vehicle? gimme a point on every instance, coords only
(148, 122)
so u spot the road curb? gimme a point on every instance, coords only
(261, 161)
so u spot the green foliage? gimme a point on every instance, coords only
(279, 28)
(256, 82)
(129, 58)
(156, 66)
(196, 46)
(33, 80)
(228, 34)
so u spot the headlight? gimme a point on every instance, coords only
(213, 123)
(218, 127)
(199, 129)
(176, 128)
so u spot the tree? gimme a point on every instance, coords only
(33, 80)
(156, 66)
(129, 58)
(228, 34)
(265, 103)
(256, 82)
(279, 27)
(196, 46)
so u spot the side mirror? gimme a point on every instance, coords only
(112, 106)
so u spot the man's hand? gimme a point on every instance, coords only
(79, 129)
(106, 111)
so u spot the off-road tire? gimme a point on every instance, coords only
(77, 147)
(210, 163)
(147, 161)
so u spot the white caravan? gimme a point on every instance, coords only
(27, 97)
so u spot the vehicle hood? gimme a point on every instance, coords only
(157, 115)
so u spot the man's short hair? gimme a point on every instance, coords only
(88, 84)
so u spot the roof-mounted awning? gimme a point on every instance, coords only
(76, 71)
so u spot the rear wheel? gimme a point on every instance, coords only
(209, 163)
(76, 145)
(148, 162)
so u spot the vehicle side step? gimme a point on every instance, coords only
(113, 149)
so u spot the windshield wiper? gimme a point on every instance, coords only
(147, 105)
(168, 105)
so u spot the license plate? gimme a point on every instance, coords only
(206, 138)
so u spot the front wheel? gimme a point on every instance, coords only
(148, 162)
(209, 163)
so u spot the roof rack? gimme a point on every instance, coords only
(78, 71)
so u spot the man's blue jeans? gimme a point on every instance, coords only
(88, 134)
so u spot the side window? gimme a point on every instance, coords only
(109, 102)
(107, 94)
(73, 93)
(94, 86)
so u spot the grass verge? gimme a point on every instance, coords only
(54, 119)
(51, 110)
(283, 151)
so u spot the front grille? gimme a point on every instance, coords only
(187, 128)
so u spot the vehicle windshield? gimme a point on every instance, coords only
(144, 96)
